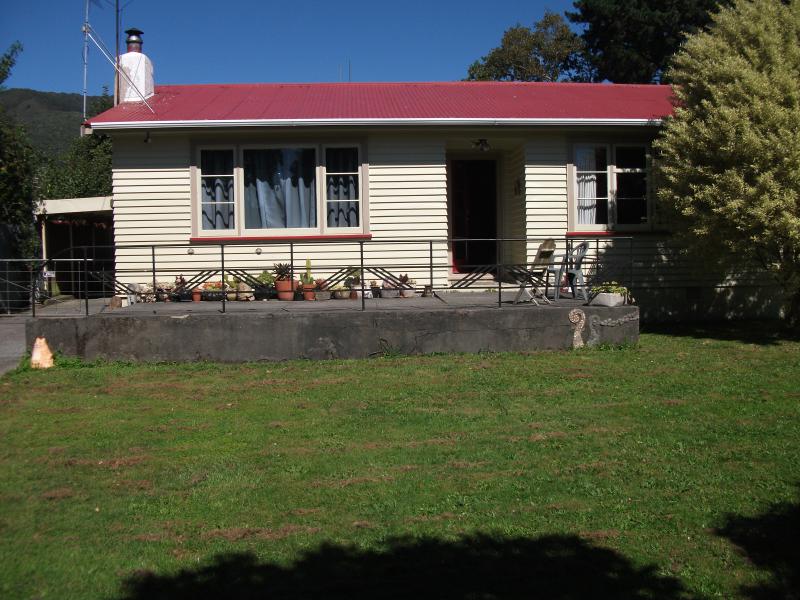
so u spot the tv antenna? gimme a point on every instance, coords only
(89, 34)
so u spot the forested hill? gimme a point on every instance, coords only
(51, 119)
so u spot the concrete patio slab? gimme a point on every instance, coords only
(253, 331)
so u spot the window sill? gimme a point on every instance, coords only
(279, 238)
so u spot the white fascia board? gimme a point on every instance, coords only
(60, 206)
(368, 122)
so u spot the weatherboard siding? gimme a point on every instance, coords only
(513, 205)
(546, 205)
(406, 185)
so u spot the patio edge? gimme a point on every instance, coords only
(248, 337)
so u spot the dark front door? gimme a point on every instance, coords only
(473, 210)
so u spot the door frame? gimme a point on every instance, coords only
(451, 157)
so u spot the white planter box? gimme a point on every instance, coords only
(606, 299)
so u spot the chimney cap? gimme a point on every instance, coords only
(134, 36)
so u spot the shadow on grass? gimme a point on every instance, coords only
(561, 567)
(770, 541)
(763, 333)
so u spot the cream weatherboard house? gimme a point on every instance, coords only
(405, 167)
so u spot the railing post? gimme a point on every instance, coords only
(8, 291)
(361, 255)
(630, 264)
(153, 259)
(222, 259)
(498, 259)
(430, 262)
(86, 281)
(291, 263)
(33, 294)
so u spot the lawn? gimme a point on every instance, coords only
(666, 470)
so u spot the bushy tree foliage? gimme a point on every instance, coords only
(17, 162)
(17, 202)
(729, 168)
(549, 51)
(632, 41)
(85, 169)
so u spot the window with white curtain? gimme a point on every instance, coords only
(611, 186)
(292, 190)
(280, 189)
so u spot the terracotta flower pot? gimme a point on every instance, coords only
(196, 293)
(285, 288)
(308, 292)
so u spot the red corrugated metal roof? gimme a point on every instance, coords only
(395, 101)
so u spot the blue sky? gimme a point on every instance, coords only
(199, 41)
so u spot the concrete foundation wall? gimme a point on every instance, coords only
(320, 335)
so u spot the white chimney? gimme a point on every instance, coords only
(137, 67)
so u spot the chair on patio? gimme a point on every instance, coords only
(571, 266)
(534, 276)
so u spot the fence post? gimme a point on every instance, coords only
(361, 254)
(33, 294)
(630, 264)
(8, 291)
(498, 276)
(224, 291)
(291, 263)
(153, 258)
(86, 281)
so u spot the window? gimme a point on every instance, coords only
(291, 190)
(611, 187)
(217, 197)
(280, 189)
(341, 187)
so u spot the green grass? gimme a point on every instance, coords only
(631, 468)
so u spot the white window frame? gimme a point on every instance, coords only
(648, 192)
(324, 183)
(239, 230)
(197, 200)
(612, 171)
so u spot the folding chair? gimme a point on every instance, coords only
(534, 276)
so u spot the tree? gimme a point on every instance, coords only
(549, 51)
(729, 168)
(17, 161)
(85, 169)
(8, 60)
(632, 41)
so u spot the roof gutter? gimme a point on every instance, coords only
(366, 122)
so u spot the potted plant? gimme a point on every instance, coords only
(390, 290)
(231, 287)
(213, 292)
(308, 283)
(179, 292)
(340, 292)
(283, 281)
(265, 289)
(407, 287)
(354, 283)
(196, 294)
(375, 288)
(609, 293)
(323, 293)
